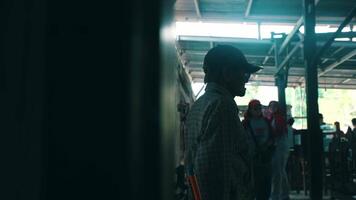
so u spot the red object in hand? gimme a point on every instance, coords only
(195, 188)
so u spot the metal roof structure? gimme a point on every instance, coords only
(271, 11)
(337, 68)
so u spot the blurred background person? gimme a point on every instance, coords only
(280, 184)
(259, 131)
(351, 136)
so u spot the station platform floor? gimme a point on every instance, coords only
(336, 196)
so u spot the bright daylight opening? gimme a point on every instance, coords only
(296, 96)
(241, 30)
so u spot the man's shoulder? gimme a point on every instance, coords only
(205, 102)
(212, 101)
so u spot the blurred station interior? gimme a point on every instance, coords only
(94, 95)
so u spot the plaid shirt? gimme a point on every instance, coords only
(218, 151)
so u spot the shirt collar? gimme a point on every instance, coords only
(214, 87)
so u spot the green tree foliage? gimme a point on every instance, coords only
(338, 105)
(334, 104)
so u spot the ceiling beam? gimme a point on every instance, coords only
(288, 57)
(293, 32)
(216, 40)
(324, 60)
(201, 53)
(346, 71)
(328, 44)
(249, 7)
(291, 84)
(222, 39)
(268, 55)
(233, 17)
(326, 36)
(197, 8)
(337, 63)
(344, 79)
(291, 35)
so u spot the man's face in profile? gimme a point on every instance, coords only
(236, 79)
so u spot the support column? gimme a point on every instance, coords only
(311, 78)
(281, 84)
(280, 78)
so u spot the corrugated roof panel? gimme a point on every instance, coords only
(277, 7)
(222, 6)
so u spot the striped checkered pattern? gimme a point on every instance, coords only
(218, 150)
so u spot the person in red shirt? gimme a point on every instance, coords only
(280, 184)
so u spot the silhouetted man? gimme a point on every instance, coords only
(352, 141)
(218, 152)
(321, 119)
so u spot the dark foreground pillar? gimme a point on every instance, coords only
(311, 77)
(87, 100)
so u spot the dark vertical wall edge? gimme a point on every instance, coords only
(87, 99)
(168, 98)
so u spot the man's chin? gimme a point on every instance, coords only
(241, 92)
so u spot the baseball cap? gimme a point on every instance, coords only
(225, 55)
